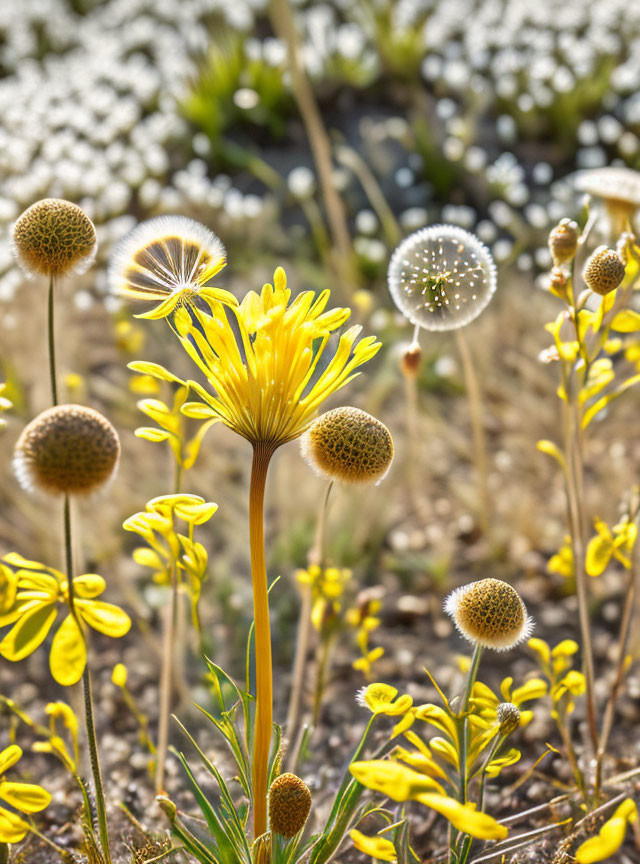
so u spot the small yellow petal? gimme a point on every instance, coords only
(376, 847)
(26, 797)
(68, 655)
(9, 757)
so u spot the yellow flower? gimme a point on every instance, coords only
(171, 259)
(40, 592)
(562, 562)
(610, 837)
(401, 783)
(364, 663)
(381, 699)
(376, 847)
(609, 544)
(266, 361)
(25, 797)
(60, 711)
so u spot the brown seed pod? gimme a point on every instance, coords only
(289, 805)
(489, 613)
(68, 449)
(508, 718)
(53, 237)
(604, 270)
(563, 241)
(349, 445)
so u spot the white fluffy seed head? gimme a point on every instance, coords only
(442, 277)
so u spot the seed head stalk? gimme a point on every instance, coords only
(474, 395)
(262, 453)
(101, 806)
(52, 342)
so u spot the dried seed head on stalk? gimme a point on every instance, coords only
(349, 445)
(563, 241)
(69, 449)
(489, 613)
(289, 805)
(441, 277)
(508, 718)
(53, 237)
(604, 270)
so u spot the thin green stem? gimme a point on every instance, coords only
(166, 684)
(464, 743)
(474, 395)
(52, 342)
(321, 677)
(92, 742)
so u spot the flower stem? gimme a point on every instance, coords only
(262, 454)
(471, 677)
(166, 684)
(101, 806)
(52, 342)
(474, 395)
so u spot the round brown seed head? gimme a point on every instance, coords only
(68, 449)
(604, 270)
(53, 237)
(563, 241)
(489, 613)
(508, 718)
(349, 445)
(289, 805)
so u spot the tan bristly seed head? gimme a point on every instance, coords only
(289, 805)
(508, 718)
(348, 445)
(68, 449)
(52, 237)
(604, 271)
(563, 241)
(489, 613)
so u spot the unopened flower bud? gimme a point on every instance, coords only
(508, 718)
(563, 241)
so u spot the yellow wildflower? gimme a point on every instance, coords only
(24, 797)
(40, 592)
(607, 544)
(610, 837)
(376, 847)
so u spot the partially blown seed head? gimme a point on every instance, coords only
(489, 613)
(349, 445)
(508, 718)
(604, 270)
(563, 241)
(53, 237)
(68, 449)
(289, 805)
(441, 277)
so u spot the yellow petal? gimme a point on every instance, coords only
(119, 675)
(396, 781)
(376, 847)
(536, 688)
(9, 757)
(541, 648)
(105, 617)
(26, 797)
(610, 837)
(88, 586)
(464, 817)
(12, 827)
(29, 632)
(68, 653)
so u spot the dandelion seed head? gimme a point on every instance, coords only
(441, 277)
(489, 613)
(68, 449)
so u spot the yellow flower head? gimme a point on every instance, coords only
(170, 259)
(266, 362)
(490, 613)
(40, 593)
(25, 797)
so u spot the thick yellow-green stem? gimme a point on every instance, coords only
(262, 454)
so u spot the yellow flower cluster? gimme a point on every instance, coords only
(24, 797)
(174, 555)
(608, 543)
(32, 595)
